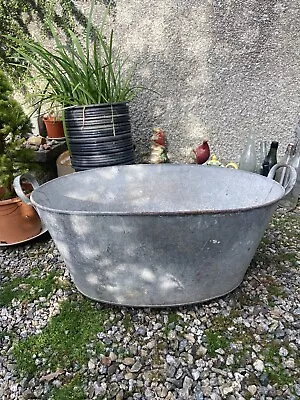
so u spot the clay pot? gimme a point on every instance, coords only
(18, 221)
(63, 164)
(54, 127)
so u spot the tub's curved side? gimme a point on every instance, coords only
(157, 260)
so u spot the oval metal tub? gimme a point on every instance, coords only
(157, 235)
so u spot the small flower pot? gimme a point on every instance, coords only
(54, 128)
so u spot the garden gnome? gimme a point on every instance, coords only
(158, 147)
(202, 152)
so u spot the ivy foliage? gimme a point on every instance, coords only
(16, 16)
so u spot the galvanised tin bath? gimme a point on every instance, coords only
(157, 235)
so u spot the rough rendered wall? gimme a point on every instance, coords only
(222, 68)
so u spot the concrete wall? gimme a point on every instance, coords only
(222, 68)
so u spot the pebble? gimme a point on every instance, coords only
(128, 361)
(195, 374)
(252, 389)
(297, 389)
(259, 365)
(283, 352)
(187, 384)
(226, 390)
(136, 367)
(290, 363)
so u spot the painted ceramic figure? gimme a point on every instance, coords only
(202, 152)
(214, 161)
(158, 137)
(158, 147)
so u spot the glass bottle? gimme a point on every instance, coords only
(261, 155)
(271, 158)
(297, 131)
(265, 168)
(248, 156)
(290, 201)
(281, 176)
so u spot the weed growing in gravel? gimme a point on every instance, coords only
(70, 391)
(275, 371)
(218, 336)
(28, 288)
(127, 322)
(274, 292)
(173, 319)
(99, 348)
(215, 341)
(3, 334)
(63, 342)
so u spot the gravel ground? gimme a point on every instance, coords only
(55, 344)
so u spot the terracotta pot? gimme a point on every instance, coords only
(63, 164)
(18, 221)
(54, 127)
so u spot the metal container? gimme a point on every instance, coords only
(157, 235)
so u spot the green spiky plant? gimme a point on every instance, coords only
(80, 72)
(14, 125)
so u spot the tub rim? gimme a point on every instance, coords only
(158, 213)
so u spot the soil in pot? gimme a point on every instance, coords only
(18, 221)
(54, 127)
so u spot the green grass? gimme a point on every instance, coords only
(276, 291)
(28, 288)
(62, 343)
(218, 336)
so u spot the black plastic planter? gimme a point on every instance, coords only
(99, 135)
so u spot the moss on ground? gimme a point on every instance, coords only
(277, 374)
(127, 322)
(215, 341)
(70, 391)
(173, 319)
(63, 342)
(28, 288)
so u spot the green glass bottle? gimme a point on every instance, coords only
(271, 158)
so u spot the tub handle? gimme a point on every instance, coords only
(18, 187)
(291, 176)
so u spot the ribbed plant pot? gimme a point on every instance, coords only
(99, 135)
